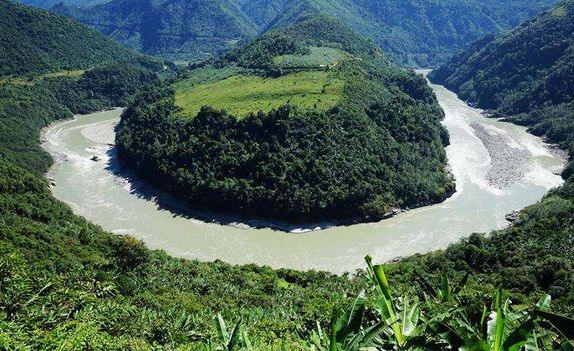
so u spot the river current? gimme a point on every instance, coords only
(498, 167)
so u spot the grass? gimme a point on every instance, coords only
(318, 56)
(240, 95)
(19, 81)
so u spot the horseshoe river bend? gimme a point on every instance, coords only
(498, 168)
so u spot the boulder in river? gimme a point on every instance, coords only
(512, 216)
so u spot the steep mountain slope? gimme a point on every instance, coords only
(261, 12)
(419, 33)
(37, 41)
(47, 4)
(317, 124)
(527, 74)
(171, 29)
(51, 67)
(415, 32)
(529, 67)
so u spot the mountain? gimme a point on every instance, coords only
(261, 12)
(46, 4)
(302, 124)
(52, 67)
(527, 75)
(186, 29)
(36, 41)
(417, 33)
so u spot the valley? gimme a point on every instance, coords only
(416, 33)
(289, 184)
(98, 191)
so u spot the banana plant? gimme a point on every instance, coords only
(237, 339)
(347, 332)
(405, 328)
(446, 292)
(402, 325)
(507, 330)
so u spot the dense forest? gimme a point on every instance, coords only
(381, 147)
(175, 29)
(35, 41)
(417, 33)
(66, 284)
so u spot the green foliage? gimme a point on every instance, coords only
(360, 140)
(417, 33)
(24, 110)
(67, 282)
(241, 95)
(530, 67)
(317, 57)
(36, 41)
(175, 29)
(404, 325)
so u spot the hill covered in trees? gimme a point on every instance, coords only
(46, 4)
(175, 29)
(36, 41)
(416, 33)
(52, 67)
(307, 123)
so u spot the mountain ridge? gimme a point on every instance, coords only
(412, 31)
(37, 41)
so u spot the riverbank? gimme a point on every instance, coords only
(98, 134)
(125, 207)
(58, 158)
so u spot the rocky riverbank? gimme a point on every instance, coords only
(508, 164)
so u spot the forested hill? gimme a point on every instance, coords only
(307, 123)
(46, 4)
(173, 29)
(37, 41)
(527, 74)
(52, 67)
(417, 33)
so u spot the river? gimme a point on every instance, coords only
(480, 204)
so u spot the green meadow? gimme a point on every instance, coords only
(240, 95)
(32, 80)
(318, 56)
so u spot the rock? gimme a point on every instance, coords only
(95, 158)
(513, 216)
